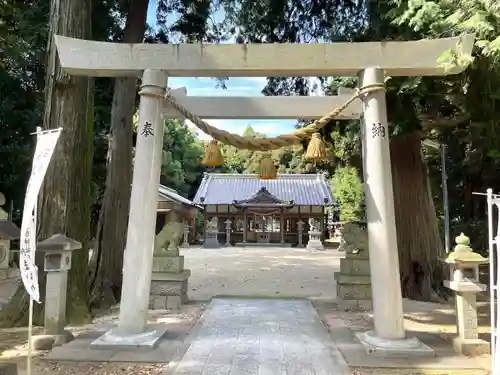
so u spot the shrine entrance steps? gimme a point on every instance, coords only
(261, 337)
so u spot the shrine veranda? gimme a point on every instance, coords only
(371, 62)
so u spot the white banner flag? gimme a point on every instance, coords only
(45, 145)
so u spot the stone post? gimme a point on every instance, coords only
(300, 232)
(57, 254)
(388, 338)
(245, 226)
(132, 327)
(185, 233)
(282, 228)
(228, 232)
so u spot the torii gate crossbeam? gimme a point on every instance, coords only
(370, 61)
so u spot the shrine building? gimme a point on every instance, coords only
(174, 207)
(257, 211)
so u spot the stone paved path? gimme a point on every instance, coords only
(261, 337)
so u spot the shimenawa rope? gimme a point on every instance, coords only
(263, 144)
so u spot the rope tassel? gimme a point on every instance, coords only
(316, 150)
(213, 155)
(267, 169)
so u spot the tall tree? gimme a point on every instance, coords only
(64, 202)
(299, 21)
(113, 217)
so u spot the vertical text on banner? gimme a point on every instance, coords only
(45, 145)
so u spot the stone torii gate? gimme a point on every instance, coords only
(371, 62)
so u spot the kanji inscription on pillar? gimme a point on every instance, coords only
(378, 130)
(147, 129)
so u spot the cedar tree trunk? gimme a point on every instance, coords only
(64, 201)
(113, 217)
(419, 240)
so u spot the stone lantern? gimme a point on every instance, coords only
(464, 281)
(314, 242)
(8, 231)
(300, 231)
(57, 251)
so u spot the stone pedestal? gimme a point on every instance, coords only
(211, 240)
(263, 237)
(314, 242)
(169, 281)
(468, 342)
(354, 289)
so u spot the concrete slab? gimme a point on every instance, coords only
(260, 337)
(115, 339)
(406, 348)
(344, 327)
(177, 326)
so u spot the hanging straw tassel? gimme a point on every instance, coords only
(267, 169)
(316, 150)
(213, 155)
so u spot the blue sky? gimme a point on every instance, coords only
(235, 87)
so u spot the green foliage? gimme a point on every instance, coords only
(461, 111)
(347, 189)
(440, 18)
(182, 153)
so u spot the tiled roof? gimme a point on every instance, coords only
(303, 189)
(171, 194)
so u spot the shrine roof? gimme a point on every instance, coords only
(171, 194)
(302, 189)
(9, 230)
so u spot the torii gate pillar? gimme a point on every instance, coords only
(132, 330)
(389, 335)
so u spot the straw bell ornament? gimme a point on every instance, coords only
(316, 150)
(267, 169)
(213, 155)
